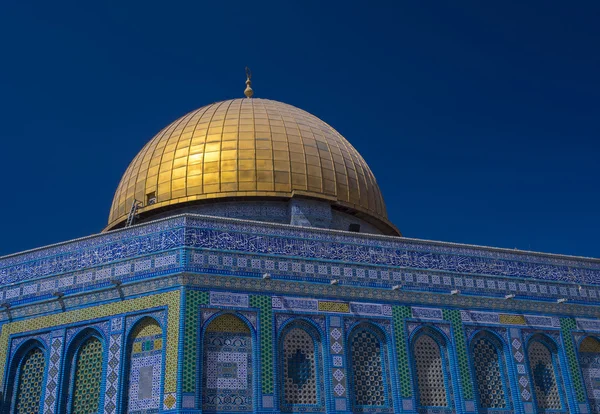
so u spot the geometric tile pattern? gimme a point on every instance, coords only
(339, 381)
(567, 325)
(367, 369)
(431, 382)
(439, 256)
(399, 313)
(227, 366)
(193, 300)
(541, 365)
(263, 303)
(299, 368)
(54, 368)
(88, 377)
(346, 257)
(113, 373)
(488, 374)
(145, 370)
(523, 382)
(170, 298)
(589, 357)
(30, 383)
(460, 343)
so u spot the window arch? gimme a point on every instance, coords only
(85, 371)
(27, 388)
(488, 361)
(430, 357)
(300, 367)
(589, 359)
(227, 365)
(145, 362)
(543, 363)
(368, 362)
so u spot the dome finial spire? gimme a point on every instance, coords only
(248, 92)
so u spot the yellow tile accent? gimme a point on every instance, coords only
(512, 319)
(589, 344)
(171, 299)
(341, 307)
(227, 323)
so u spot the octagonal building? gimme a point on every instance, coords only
(248, 266)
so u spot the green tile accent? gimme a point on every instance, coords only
(460, 342)
(263, 303)
(399, 315)
(193, 300)
(567, 326)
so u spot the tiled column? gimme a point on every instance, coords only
(399, 315)
(115, 360)
(336, 364)
(54, 368)
(465, 391)
(265, 344)
(524, 403)
(189, 338)
(577, 401)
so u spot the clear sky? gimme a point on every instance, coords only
(480, 120)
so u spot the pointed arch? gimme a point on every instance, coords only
(227, 365)
(27, 387)
(488, 359)
(84, 374)
(368, 353)
(589, 360)
(429, 349)
(542, 355)
(301, 367)
(142, 387)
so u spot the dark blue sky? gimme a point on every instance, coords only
(480, 120)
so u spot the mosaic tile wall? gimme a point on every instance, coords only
(18, 331)
(589, 357)
(145, 369)
(400, 314)
(158, 248)
(190, 271)
(360, 377)
(263, 304)
(227, 366)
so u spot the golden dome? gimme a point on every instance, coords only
(249, 148)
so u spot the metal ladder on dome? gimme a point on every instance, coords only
(133, 212)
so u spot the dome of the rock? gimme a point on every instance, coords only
(248, 149)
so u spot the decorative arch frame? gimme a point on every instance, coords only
(126, 365)
(16, 364)
(505, 370)
(578, 343)
(68, 376)
(553, 348)
(385, 343)
(314, 331)
(255, 355)
(443, 342)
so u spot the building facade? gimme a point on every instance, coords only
(249, 266)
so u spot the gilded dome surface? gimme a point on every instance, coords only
(248, 148)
